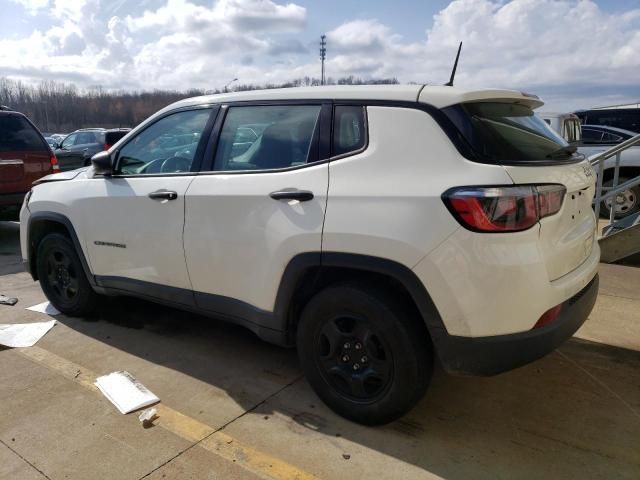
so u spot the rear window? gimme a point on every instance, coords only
(18, 135)
(113, 137)
(507, 133)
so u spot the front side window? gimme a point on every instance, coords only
(348, 129)
(167, 146)
(267, 137)
(69, 141)
(507, 132)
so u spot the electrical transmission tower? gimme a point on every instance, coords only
(323, 55)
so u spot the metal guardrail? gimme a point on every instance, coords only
(604, 193)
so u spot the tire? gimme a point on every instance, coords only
(630, 201)
(62, 277)
(364, 353)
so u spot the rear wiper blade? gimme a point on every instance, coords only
(567, 150)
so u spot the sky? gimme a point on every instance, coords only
(573, 53)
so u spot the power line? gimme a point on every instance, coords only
(323, 55)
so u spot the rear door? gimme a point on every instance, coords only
(24, 155)
(258, 206)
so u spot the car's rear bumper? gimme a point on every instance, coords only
(496, 354)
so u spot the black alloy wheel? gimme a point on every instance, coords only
(354, 359)
(62, 277)
(365, 351)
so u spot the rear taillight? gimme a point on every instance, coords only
(106, 146)
(54, 164)
(503, 209)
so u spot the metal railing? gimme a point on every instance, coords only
(604, 193)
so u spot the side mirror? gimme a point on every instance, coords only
(102, 163)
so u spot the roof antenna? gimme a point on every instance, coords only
(455, 66)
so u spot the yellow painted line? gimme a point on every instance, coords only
(253, 460)
(190, 429)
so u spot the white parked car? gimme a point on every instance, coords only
(375, 228)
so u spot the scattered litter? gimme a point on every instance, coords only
(147, 417)
(125, 392)
(23, 334)
(4, 300)
(346, 456)
(77, 374)
(45, 307)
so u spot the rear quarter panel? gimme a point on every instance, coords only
(386, 201)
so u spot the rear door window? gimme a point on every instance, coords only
(507, 133)
(85, 138)
(18, 135)
(268, 137)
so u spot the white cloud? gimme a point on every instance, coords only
(570, 50)
(32, 6)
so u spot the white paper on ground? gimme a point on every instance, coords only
(125, 392)
(44, 307)
(23, 334)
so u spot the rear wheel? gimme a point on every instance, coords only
(626, 202)
(366, 356)
(62, 277)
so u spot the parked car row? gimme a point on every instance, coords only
(26, 155)
(77, 148)
(591, 139)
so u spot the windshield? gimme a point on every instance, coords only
(507, 133)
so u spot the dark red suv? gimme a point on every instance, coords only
(25, 157)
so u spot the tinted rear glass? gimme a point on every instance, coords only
(113, 137)
(18, 135)
(506, 133)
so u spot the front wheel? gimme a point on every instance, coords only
(62, 277)
(365, 355)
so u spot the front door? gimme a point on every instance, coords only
(135, 218)
(262, 204)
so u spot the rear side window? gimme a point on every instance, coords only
(349, 134)
(507, 133)
(86, 137)
(268, 137)
(18, 135)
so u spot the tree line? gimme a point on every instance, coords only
(63, 107)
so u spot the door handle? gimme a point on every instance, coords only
(163, 195)
(292, 194)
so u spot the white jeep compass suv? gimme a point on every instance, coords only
(374, 228)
